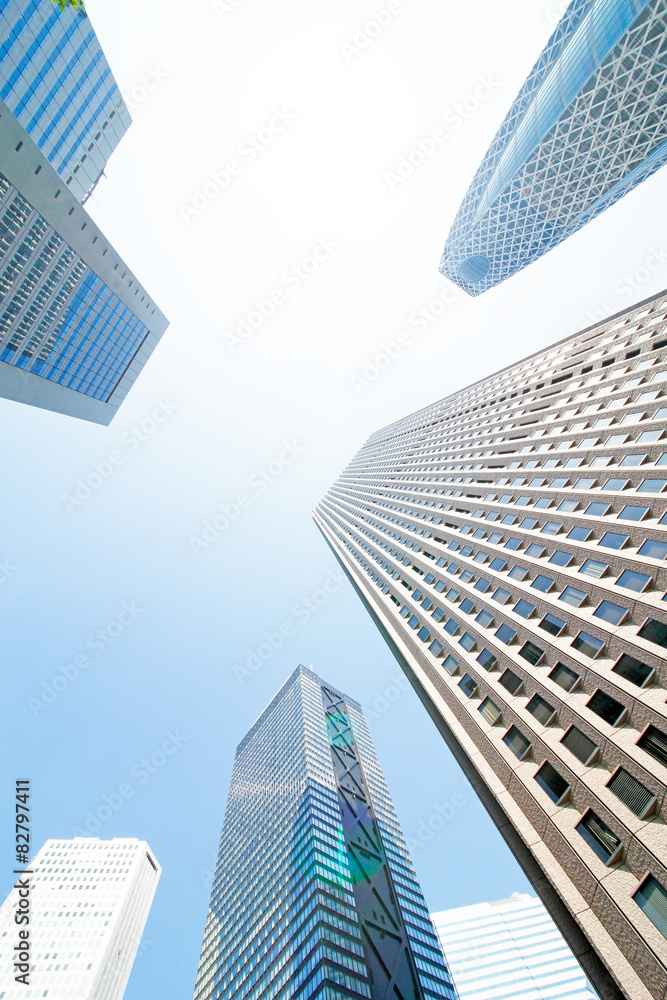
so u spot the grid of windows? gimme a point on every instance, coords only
(55, 79)
(562, 645)
(589, 124)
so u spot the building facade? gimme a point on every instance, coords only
(507, 949)
(314, 893)
(589, 124)
(55, 79)
(89, 901)
(76, 327)
(510, 543)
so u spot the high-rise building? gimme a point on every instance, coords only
(510, 543)
(55, 79)
(76, 327)
(88, 903)
(314, 893)
(588, 125)
(507, 949)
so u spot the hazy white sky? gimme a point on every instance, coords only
(312, 253)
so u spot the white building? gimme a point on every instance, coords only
(89, 900)
(509, 948)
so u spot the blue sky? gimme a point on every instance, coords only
(256, 197)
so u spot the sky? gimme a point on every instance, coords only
(271, 196)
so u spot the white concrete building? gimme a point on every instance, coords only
(509, 948)
(89, 900)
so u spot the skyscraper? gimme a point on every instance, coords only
(509, 948)
(314, 893)
(76, 327)
(89, 900)
(55, 79)
(510, 542)
(588, 125)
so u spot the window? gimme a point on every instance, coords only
(482, 585)
(534, 551)
(633, 670)
(612, 613)
(450, 665)
(567, 506)
(413, 622)
(506, 634)
(436, 648)
(511, 682)
(543, 503)
(633, 581)
(490, 711)
(502, 596)
(551, 528)
(485, 619)
(497, 565)
(552, 625)
(487, 659)
(572, 596)
(655, 631)
(451, 626)
(579, 745)
(616, 485)
(466, 576)
(607, 708)
(636, 796)
(467, 641)
(652, 486)
(517, 742)
(593, 568)
(512, 543)
(653, 549)
(630, 513)
(553, 784)
(529, 651)
(654, 742)
(631, 461)
(597, 509)
(579, 534)
(612, 540)
(495, 538)
(467, 606)
(597, 835)
(541, 709)
(560, 558)
(468, 685)
(587, 644)
(518, 573)
(423, 634)
(651, 897)
(584, 484)
(438, 614)
(524, 609)
(542, 583)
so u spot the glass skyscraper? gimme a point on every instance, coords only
(314, 893)
(76, 327)
(509, 949)
(589, 124)
(510, 541)
(55, 79)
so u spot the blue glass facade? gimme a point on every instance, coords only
(287, 916)
(55, 79)
(589, 124)
(58, 319)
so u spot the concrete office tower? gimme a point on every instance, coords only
(89, 900)
(510, 543)
(76, 327)
(314, 893)
(588, 125)
(509, 948)
(55, 79)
